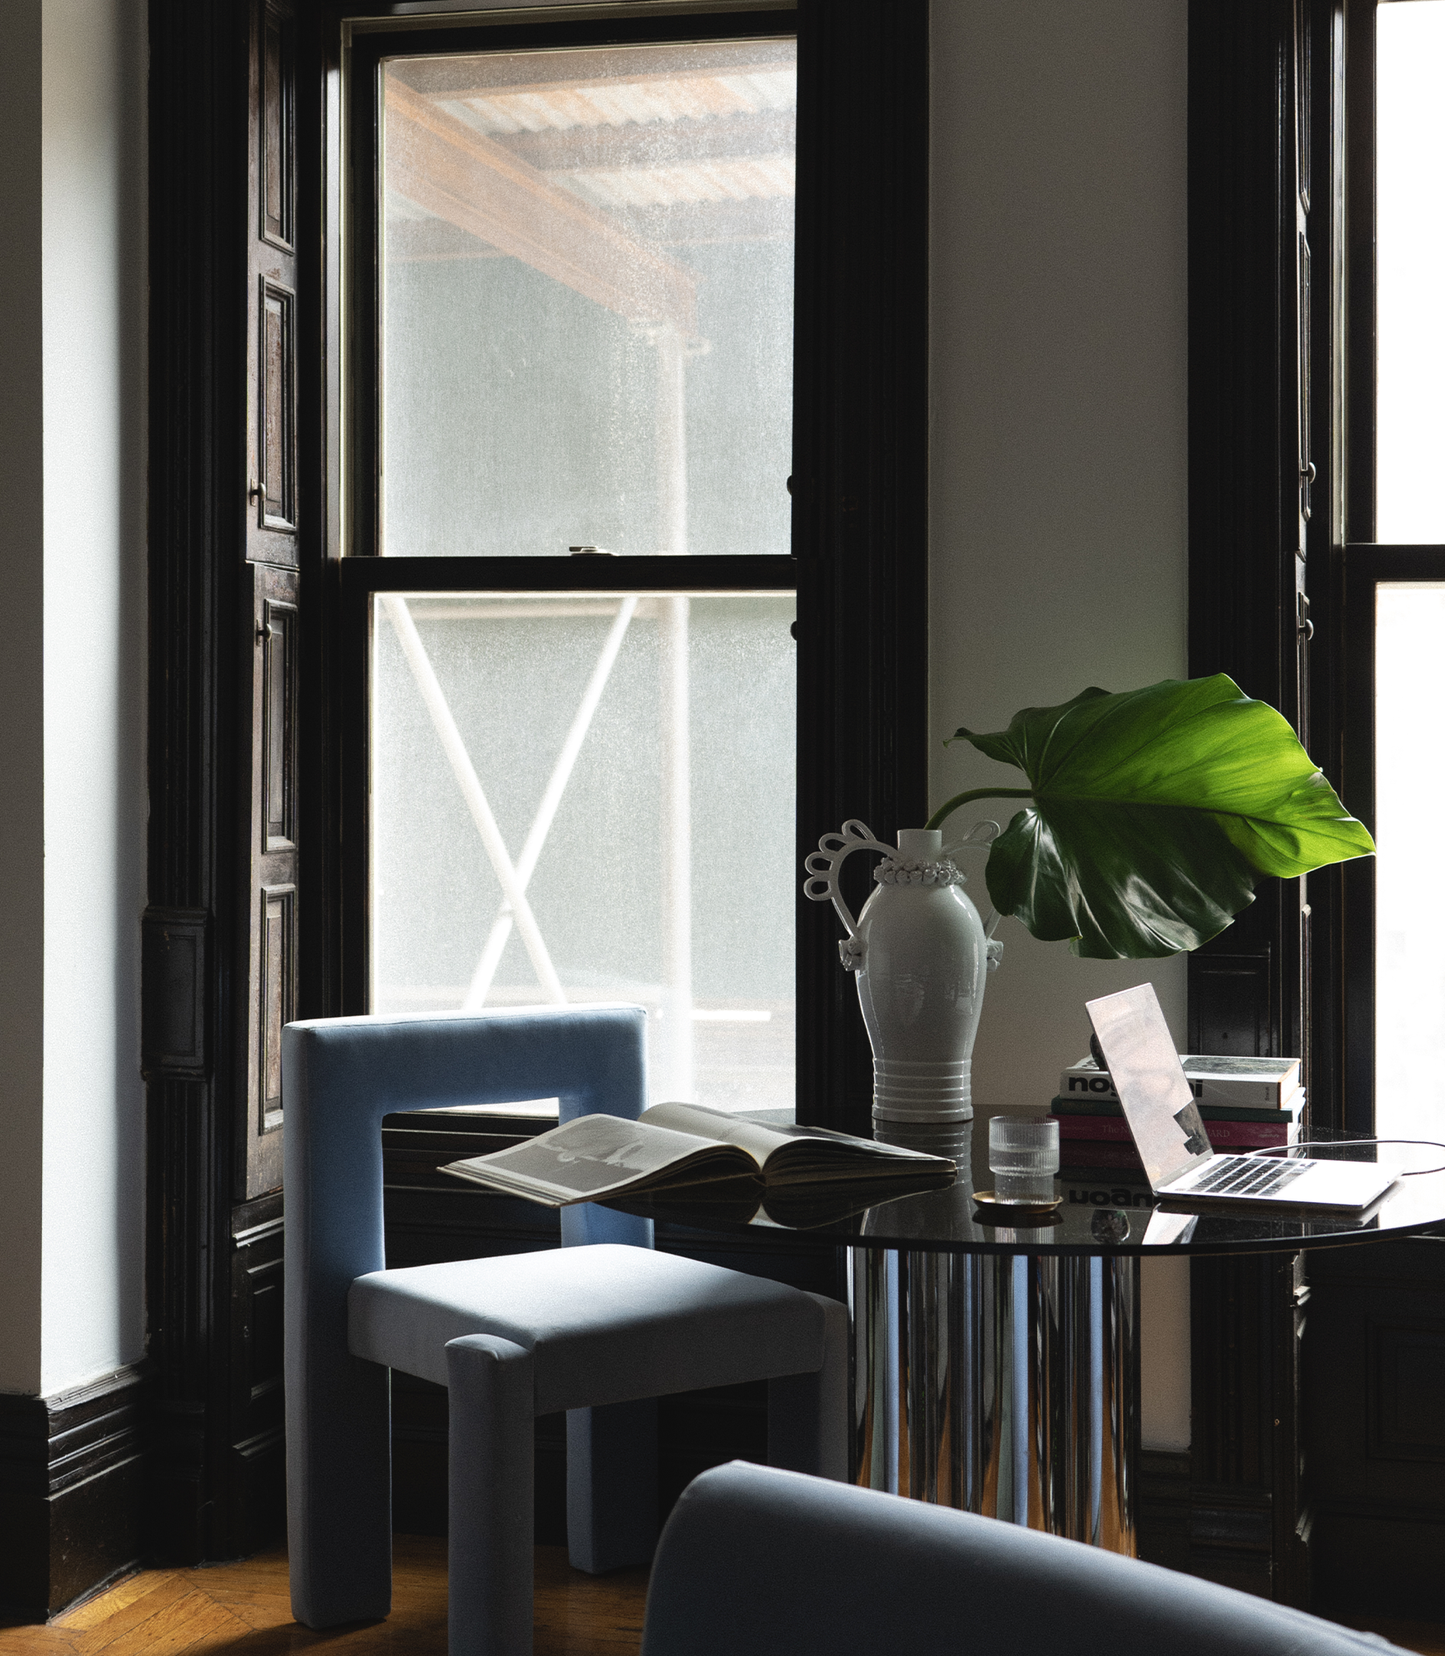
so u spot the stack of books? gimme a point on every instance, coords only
(1246, 1104)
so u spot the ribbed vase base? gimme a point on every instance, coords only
(922, 1091)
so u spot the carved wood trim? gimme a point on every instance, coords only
(272, 490)
(273, 960)
(276, 172)
(174, 978)
(279, 642)
(211, 248)
(276, 406)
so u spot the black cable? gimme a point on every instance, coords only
(1350, 1144)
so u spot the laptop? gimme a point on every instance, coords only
(1178, 1161)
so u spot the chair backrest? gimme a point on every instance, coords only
(778, 1564)
(341, 1076)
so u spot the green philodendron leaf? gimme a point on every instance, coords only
(1153, 815)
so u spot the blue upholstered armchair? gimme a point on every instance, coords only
(592, 1328)
(771, 1564)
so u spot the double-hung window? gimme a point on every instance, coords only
(581, 706)
(1395, 562)
(601, 533)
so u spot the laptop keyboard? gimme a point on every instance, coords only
(1249, 1176)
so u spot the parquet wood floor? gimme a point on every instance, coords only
(244, 1610)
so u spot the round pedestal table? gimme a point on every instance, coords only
(996, 1365)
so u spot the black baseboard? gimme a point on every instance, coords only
(1163, 1508)
(71, 1494)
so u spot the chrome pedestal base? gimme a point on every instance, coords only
(1003, 1385)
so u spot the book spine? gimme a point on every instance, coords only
(1093, 1108)
(1239, 1135)
(1215, 1089)
(1100, 1153)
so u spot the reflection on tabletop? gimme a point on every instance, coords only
(1112, 1211)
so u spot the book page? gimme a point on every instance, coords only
(595, 1155)
(793, 1152)
(720, 1126)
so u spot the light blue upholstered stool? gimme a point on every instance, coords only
(769, 1564)
(593, 1328)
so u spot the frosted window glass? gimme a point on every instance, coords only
(587, 309)
(1410, 254)
(1410, 896)
(631, 761)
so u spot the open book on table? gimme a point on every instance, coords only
(680, 1154)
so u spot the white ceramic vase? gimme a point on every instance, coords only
(921, 959)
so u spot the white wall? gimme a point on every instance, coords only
(1057, 460)
(72, 449)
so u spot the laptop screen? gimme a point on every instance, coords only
(1149, 1079)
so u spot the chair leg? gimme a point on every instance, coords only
(611, 1486)
(808, 1413)
(490, 1409)
(338, 1490)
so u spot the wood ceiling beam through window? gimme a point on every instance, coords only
(721, 138)
(473, 182)
(486, 76)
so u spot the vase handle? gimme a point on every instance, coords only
(979, 838)
(823, 864)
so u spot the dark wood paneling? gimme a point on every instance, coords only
(277, 997)
(229, 204)
(271, 738)
(257, 1453)
(277, 170)
(1407, 1383)
(1248, 1526)
(1375, 1347)
(1229, 1000)
(280, 648)
(1164, 1492)
(71, 1482)
(272, 259)
(276, 413)
(200, 617)
(173, 993)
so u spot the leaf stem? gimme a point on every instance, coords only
(946, 810)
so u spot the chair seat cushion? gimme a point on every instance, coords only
(605, 1324)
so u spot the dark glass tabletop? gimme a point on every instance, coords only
(1109, 1211)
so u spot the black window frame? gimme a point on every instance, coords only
(858, 481)
(1284, 1370)
(1366, 562)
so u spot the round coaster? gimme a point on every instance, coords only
(995, 1212)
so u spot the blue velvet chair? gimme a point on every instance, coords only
(592, 1327)
(774, 1564)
